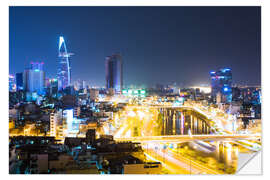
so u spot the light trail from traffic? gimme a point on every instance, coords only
(185, 138)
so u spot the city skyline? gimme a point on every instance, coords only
(151, 43)
(134, 90)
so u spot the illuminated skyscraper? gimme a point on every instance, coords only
(11, 82)
(64, 69)
(34, 78)
(221, 81)
(114, 72)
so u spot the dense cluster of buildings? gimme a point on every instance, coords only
(88, 155)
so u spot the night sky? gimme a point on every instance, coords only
(158, 44)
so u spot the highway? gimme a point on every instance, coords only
(143, 121)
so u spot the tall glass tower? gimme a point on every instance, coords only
(34, 78)
(114, 72)
(64, 69)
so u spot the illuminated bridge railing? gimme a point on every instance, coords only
(183, 138)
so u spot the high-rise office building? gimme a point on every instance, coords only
(56, 124)
(83, 85)
(221, 82)
(52, 87)
(34, 78)
(19, 81)
(11, 80)
(64, 69)
(114, 72)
